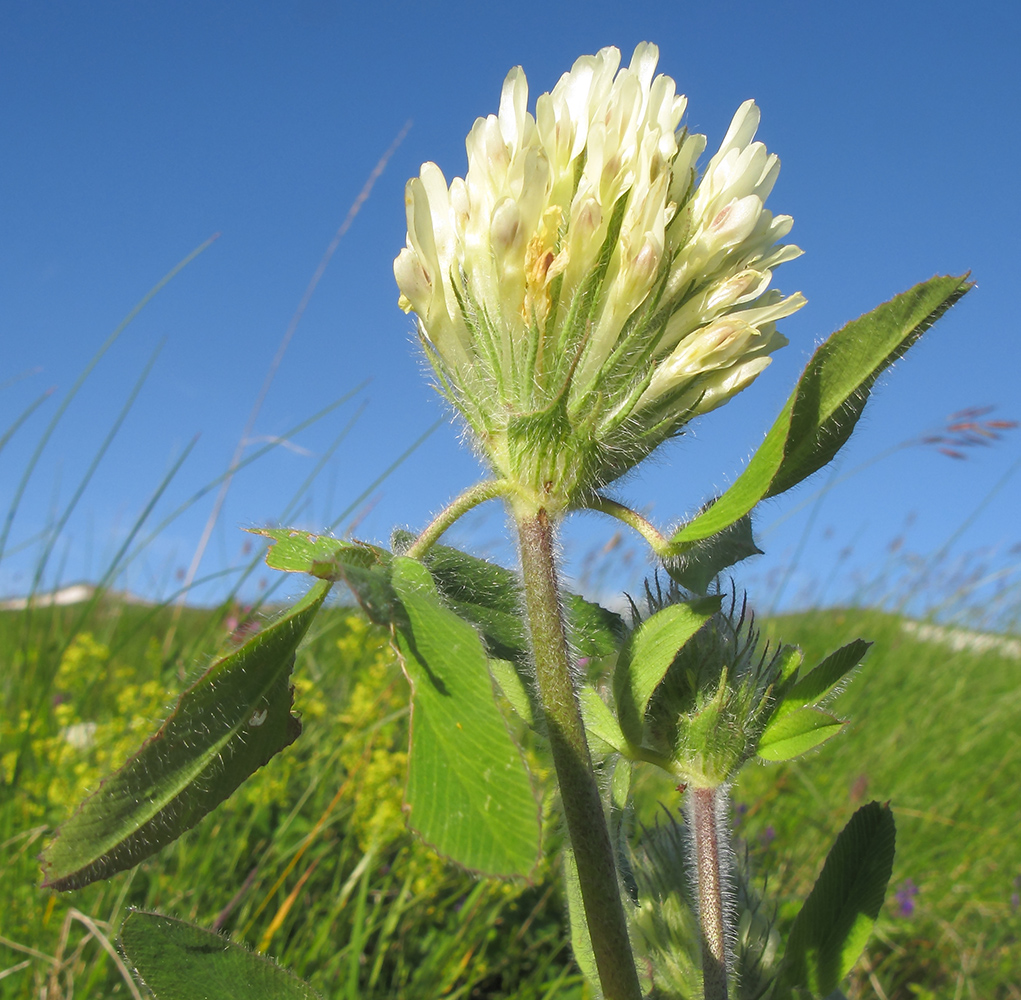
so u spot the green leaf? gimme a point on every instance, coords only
(179, 961)
(594, 630)
(834, 925)
(648, 654)
(599, 721)
(791, 735)
(697, 567)
(827, 401)
(481, 592)
(791, 658)
(295, 551)
(469, 792)
(363, 568)
(489, 596)
(814, 686)
(747, 490)
(620, 784)
(835, 386)
(224, 728)
(514, 689)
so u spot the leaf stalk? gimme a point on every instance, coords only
(472, 497)
(659, 543)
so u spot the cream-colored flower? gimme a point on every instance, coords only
(579, 295)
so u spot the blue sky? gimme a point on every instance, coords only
(131, 132)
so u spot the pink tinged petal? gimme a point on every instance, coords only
(735, 222)
(742, 287)
(641, 272)
(506, 229)
(720, 344)
(721, 386)
(716, 346)
(413, 281)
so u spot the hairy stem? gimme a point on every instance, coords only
(479, 493)
(583, 807)
(710, 849)
(660, 545)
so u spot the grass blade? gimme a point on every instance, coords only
(80, 381)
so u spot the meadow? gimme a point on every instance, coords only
(310, 861)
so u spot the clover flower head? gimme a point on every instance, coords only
(581, 294)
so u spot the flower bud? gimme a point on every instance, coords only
(715, 699)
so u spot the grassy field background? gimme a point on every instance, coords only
(311, 862)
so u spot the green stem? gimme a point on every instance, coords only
(710, 848)
(479, 493)
(648, 531)
(579, 792)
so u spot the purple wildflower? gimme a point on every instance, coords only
(905, 898)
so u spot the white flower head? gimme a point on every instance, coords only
(579, 295)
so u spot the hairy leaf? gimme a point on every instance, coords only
(224, 728)
(179, 961)
(827, 402)
(469, 792)
(835, 387)
(791, 735)
(363, 568)
(648, 654)
(481, 592)
(514, 688)
(697, 567)
(599, 720)
(835, 923)
(816, 685)
(489, 596)
(295, 551)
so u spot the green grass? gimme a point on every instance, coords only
(310, 861)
